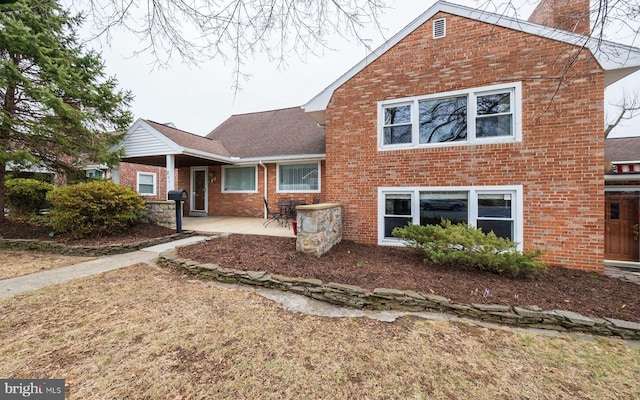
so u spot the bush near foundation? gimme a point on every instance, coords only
(95, 208)
(26, 197)
(463, 246)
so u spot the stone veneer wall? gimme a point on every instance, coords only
(408, 300)
(319, 227)
(162, 212)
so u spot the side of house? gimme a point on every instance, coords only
(475, 118)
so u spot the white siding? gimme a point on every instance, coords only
(141, 142)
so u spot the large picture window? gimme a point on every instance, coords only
(482, 115)
(239, 179)
(491, 208)
(299, 177)
(146, 184)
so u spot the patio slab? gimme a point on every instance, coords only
(253, 226)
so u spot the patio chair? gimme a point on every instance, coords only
(272, 215)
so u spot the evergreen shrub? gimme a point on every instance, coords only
(26, 197)
(463, 246)
(95, 208)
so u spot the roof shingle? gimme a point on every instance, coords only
(622, 149)
(284, 132)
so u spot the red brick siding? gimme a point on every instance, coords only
(129, 178)
(567, 15)
(247, 204)
(559, 161)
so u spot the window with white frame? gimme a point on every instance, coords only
(299, 177)
(491, 208)
(482, 115)
(239, 179)
(146, 183)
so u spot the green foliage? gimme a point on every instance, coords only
(25, 197)
(58, 108)
(461, 245)
(94, 208)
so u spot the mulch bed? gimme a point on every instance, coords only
(372, 267)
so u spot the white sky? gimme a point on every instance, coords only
(197, 99)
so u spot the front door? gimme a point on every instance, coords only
(621, 226)
(199, 191)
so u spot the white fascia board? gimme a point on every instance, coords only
(622, 177)
(207, 156)
(611, 56)
(276, 159)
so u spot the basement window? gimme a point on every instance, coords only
(439, 28)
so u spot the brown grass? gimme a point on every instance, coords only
(18, 263)
(147, 333)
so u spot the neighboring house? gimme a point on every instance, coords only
(622, 199)
(463, 114)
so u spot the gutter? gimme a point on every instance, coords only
(265, 187)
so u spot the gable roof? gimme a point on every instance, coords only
(287, 132)
(619, 150)
(616, 60)
(189, 140)
(148, 142)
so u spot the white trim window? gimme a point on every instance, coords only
(491, 208)
(240, 179)
(489, 114)
(298, 178)
(146, 184)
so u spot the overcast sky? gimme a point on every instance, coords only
(197, 99)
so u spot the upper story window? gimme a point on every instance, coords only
(239, 179)
(482, 115)
(299, 177)
(146, 183)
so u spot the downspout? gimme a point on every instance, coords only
(265, 187)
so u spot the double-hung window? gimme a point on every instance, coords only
(491, 208)
(239, 179)
(482, 115)
(299, 178)
(146, 183)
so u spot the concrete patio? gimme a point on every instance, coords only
(254, 226)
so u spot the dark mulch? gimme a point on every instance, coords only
(15, 229)
(370, 267)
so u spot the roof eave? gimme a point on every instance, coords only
(284, 158)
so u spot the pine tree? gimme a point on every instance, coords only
(57, 107)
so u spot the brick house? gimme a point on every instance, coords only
(465, 115)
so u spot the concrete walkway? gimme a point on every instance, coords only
(14, 286)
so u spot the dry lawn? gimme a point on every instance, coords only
(18, 263)
(148, 333)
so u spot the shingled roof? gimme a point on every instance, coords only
(283, 132)
(189, 140)
(622, 149)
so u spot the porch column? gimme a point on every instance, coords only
(171, 170)
(115, 173)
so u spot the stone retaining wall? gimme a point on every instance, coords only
(407, 300)
(89, 251)
(162, 213)
(319, 227)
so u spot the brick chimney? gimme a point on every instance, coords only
(567, 15)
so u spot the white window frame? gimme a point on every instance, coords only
(473, 191)
(154, 184)
(224, 177)
(278, 190)
(516, 111)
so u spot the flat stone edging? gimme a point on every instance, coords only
(408, 300)
(89, 251)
